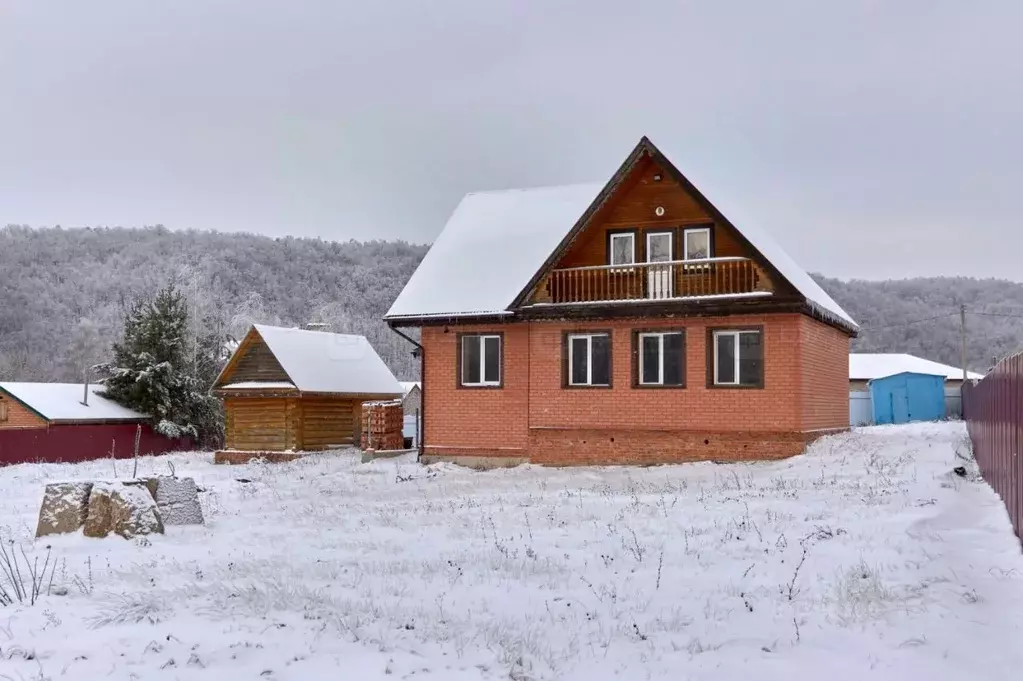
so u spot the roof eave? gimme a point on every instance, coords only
(448, 318)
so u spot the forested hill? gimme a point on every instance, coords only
(898, 316)
(62, 292)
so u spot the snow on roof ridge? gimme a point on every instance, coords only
(298, 328)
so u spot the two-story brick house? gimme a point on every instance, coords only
(630, 322)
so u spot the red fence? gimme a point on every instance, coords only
(72, 443)
(993, 409)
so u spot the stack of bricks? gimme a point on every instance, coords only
(382, 424)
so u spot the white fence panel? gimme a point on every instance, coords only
(953, 402)
(861, 413)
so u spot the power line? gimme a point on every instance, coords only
(998, 314)
(914, 321)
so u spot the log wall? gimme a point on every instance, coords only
(277, 424)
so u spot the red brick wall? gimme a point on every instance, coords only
(532, 415)
(475, 418)
(695, 407)
(17, 416)
(825, 376)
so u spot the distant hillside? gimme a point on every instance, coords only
(889, 314)
(62, 292)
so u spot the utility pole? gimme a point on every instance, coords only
(962, 334)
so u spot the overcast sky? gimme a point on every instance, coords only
(875, 139)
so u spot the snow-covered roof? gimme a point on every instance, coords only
(406, 386)
(495, 242)
(259, 385)
(63, 402)
(868, 366)
(322, 362)
(489, 249)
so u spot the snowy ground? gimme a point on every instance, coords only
(329, 569)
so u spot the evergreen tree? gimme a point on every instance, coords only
(162, 369)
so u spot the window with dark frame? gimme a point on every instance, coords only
(589, 359)
(738, 358)
(661, 358)
(481, 360)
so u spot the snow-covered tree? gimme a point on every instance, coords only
(163, 369)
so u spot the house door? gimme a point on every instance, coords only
(660, 278)
(900, 405)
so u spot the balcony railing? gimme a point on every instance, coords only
(646, 281)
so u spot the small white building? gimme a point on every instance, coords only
(867, 366)
(412, 405)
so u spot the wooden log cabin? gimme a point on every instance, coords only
(298, 390)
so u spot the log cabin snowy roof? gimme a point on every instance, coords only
(320, 362)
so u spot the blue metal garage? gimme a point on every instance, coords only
(906, 397)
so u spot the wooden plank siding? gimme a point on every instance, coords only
(14, 415)
(633, 207)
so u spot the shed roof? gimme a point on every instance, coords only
(868, 366)
(495, 242)
(323, 362)
(62, 402)
(882, 379)
(407, 386)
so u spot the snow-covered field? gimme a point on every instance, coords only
(864, 558)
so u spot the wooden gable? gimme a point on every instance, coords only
(633, 206)
(648, 194)
(252, 362)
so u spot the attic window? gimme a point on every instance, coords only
(622, 248)
(3, 410)
(696, 244)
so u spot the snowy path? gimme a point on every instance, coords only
(328, 569)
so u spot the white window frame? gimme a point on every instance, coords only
(671, 245)
(4, 415)
(624, 266)
(685, 249)
(685, 241)
(660, 355)
(571, 338)
(483, 338)
(735, 334)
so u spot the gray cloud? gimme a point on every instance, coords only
(875, 139)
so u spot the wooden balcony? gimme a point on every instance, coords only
(644, 282)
